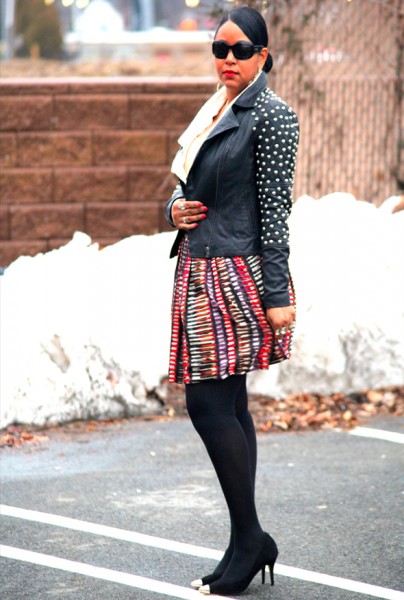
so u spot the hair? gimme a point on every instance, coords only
(253, 25)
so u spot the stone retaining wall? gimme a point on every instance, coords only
(88, 155)
(94, 154)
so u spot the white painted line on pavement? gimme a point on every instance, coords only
(339, 582)
(111, 532)
(143, 583)
(378, 434)
(191, 550)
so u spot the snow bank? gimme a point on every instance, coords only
(85, 333)
(347, 263)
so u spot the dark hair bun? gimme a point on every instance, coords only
(268, 64)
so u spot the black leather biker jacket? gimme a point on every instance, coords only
(244, 174)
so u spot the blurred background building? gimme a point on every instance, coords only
(114, 23)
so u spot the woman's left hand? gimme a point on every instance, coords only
(281, 318)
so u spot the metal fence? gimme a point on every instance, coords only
(339, 63)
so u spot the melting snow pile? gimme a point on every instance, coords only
(85, 333)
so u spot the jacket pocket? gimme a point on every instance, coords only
(245, 217)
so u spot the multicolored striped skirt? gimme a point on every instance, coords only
(219, 326)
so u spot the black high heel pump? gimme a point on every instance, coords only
(217, 573)
(266, 556)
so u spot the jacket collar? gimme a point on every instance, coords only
(246, 100)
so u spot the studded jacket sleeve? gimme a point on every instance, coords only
(277, 135)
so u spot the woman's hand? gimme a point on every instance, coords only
(186, 214)
(281, 318)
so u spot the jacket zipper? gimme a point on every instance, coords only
(225, 149)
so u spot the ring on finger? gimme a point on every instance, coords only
(184, 220)
(182, 205)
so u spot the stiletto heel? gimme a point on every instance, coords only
(266, 556)
(271, 573)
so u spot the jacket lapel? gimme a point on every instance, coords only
(229, 121)
(246, 100)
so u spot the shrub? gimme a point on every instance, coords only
(39, 26)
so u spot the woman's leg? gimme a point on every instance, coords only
(244, 418)
(219, 412)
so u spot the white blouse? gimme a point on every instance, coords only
(198, 130)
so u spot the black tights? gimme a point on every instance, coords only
(219, 412)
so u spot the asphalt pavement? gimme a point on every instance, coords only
(332, 500)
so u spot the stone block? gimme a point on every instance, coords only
(8, 149)
(121, 220)
(104, 242)
(26, 185)
(55, 243)
(25, 112)
(46, 221)
(203, 86)
(4, 223)
(166, 110)
(106, 85)
(130, 147)
(41, 86)
(92, 184)
(173, 145)
(54, 149)
(150, 183)
(79, 111)
(10, 251)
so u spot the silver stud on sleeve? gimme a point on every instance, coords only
(275, 161)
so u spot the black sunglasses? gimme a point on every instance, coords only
(241, 50)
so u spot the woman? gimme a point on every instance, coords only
(233, 303)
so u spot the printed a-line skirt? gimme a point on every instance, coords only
(219, 326)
